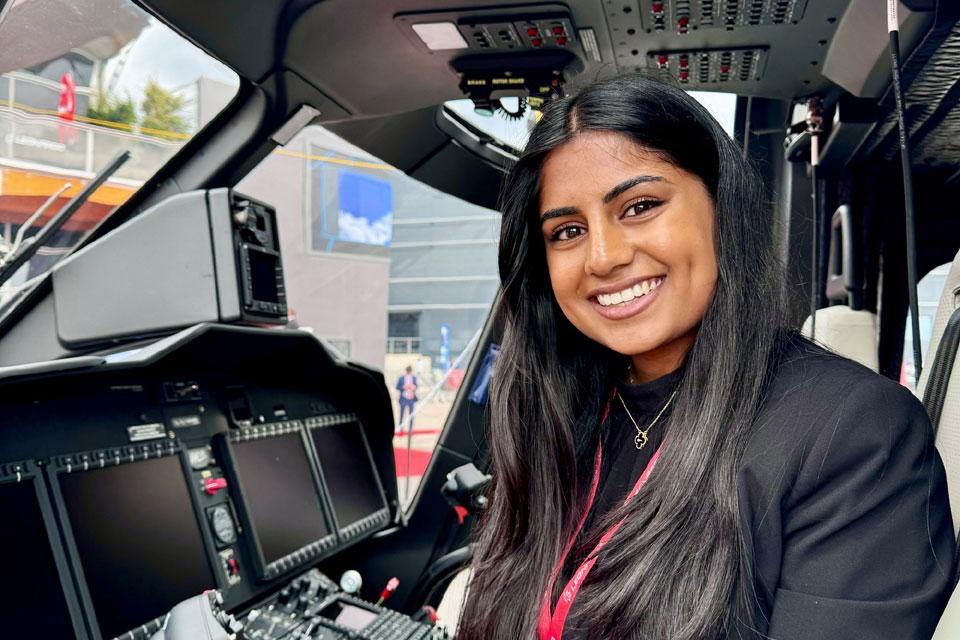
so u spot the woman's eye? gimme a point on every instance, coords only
(567, 233)
(640, 207)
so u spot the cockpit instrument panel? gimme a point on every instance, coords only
(36, 599)
(221, 458)
(354, 486)
(130, 522)
(279, 496)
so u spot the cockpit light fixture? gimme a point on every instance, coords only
(440, 36)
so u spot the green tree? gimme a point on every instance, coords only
(160, 111)
(111, 109)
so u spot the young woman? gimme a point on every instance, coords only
(669, 460)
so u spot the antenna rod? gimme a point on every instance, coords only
(814, 128)
(893, 26)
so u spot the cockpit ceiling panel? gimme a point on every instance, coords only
(771, 48)
(683, 16)
(363, 57)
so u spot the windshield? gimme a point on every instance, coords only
(511, 124)
(81, 81)
(385, 270)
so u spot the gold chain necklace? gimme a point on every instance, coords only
(641, 438)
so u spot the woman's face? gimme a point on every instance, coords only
(629, 243)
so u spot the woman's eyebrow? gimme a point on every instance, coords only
(627, 184)
(557, 213)
(613, 193)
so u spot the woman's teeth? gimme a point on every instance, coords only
(636, 291)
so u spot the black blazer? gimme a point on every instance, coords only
(844, 499)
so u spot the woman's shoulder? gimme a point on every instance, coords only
(845, 498)
(809, 376)
(819, 404)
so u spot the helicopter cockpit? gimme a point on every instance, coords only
(248, 276)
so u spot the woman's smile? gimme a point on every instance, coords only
(618, 302)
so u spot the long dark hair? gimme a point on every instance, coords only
(679, 568)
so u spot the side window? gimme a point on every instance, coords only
(929, 290)
(81, 82)
(387, 271)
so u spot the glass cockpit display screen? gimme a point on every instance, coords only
(348, 471)
(280, 494)
(32, 603)
(263, 275)
(138, 540)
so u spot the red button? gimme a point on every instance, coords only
(536, 42)
(212, 485)
(532, 31)
(558, 31)
(562, 40)
(234, 567)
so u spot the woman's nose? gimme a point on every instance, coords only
(607, 249)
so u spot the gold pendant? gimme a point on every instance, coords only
(641, 439)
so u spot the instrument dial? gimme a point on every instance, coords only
(199, 458)
(222, 522)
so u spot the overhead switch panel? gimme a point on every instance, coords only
(683, 16)
(710, 68)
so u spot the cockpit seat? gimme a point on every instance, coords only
(845, 327)
(940, 389)
(851, 333)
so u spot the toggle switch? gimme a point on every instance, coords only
(212, 485)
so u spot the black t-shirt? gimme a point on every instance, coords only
(622, 464)
(842, 497)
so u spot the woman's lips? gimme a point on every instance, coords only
(627, 309)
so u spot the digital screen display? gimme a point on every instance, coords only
(32, 604)
(350, 616)
(280, 494)
(349, 474)
(351, 210)
(263, 276)
(138, 540)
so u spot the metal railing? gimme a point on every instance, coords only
(34, 136)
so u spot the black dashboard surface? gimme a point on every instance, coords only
(141, 478)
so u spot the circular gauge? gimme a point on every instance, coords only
(223, 526)
(199, 458)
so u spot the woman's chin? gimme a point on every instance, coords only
(632, 347)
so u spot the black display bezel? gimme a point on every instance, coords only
(250, 304)
(377, 519)
(312, 552)
(99, 459)
(19, 472)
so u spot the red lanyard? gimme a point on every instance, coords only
(550, 626)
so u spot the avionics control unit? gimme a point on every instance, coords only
(201, 256)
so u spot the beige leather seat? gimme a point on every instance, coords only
(848, 332)
(845, 328)
(948, 426)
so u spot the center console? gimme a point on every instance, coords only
(312, 606)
